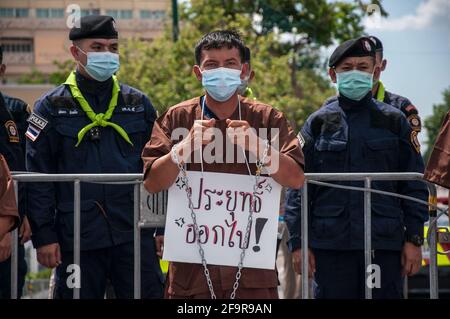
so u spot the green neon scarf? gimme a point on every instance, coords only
(101, 119)
(249, 94)
(381, 92)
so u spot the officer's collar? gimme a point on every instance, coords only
(351, 105)
(93, 86)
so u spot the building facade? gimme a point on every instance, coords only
(34, 34)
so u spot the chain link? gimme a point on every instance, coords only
(184, 178)
(259, 165)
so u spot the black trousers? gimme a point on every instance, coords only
(341, 274)
(5, 275)
(115, 264)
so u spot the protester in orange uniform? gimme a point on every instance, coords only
(9, 215)
(219, 58)
(438, 167)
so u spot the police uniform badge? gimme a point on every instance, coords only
(414, 121)
(13, 134)
(415, 141)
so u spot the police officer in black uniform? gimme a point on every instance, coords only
(381, 94)
(91, 124)
(13, 115)
(355, 133)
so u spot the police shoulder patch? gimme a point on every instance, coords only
(12, 132)
(37, 121)
(414, 121)
(415, 141)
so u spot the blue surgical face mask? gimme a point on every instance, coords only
(221, 83)
(354, 84)
(101, 65)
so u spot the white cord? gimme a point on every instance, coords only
(243, 151)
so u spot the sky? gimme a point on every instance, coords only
(416, 40)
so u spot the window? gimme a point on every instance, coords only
(13, 12)
(17, 45)
(120, 14)
(21, 13)
(113, 13)
(6, 12)
(42, 13)
(50, 13)
(87, 12)
(57, 13)
(155, 15)
(126, 14)
(145, 14)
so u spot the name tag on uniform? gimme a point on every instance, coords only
(68, 112)
(37, 121)
(132, 109)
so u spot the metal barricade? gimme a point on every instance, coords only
(155, 207)
(135, 179)
(14, 253)
(320, 178)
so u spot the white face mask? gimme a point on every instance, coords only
(221, 83)
(101, 65)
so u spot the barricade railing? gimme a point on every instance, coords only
(324, 179)
(151, 211)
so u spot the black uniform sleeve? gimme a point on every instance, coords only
(150, 119)
(20, 117)
(41, 157)
(412, 161)
(292, 208)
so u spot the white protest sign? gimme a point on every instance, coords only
(222, 205)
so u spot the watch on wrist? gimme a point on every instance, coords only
(416, 240)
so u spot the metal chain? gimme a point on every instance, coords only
(184, 178)
(259, 166)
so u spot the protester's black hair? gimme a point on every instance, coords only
(220, 39)
(247, 57)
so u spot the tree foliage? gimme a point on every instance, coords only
(289, 73)
(285, 47)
